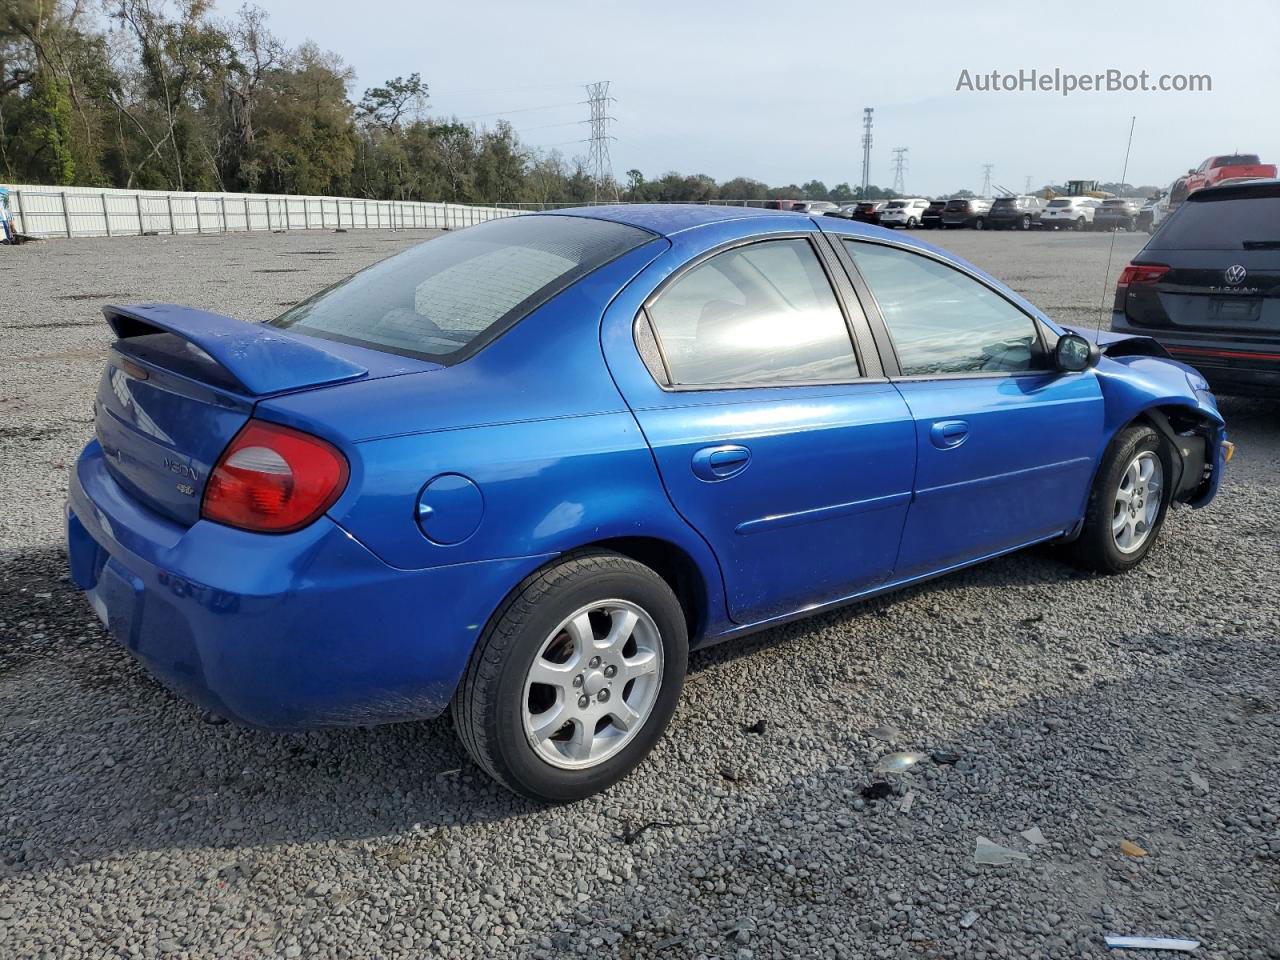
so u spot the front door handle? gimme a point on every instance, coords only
(720, 462)
(948, 434)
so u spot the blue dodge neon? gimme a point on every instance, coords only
(518, 471)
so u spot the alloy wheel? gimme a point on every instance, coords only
(1137, 502)
(593, 684)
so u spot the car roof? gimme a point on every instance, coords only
(665, 219)
(1242, 189)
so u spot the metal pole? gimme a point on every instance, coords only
(224, 213)
(168, 199)
(445, 225)
(306, 214)
(17, 206)
(106, 214)
(247, 225)
(322, 213)
(138, 199)
(267, 202)
(199, 225)
(66, 217)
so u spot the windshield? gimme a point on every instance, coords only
(445, 298)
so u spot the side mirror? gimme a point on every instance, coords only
(1074, 353)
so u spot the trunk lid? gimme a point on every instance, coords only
(180, 383)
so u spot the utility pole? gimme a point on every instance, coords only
(899, 168)
(866, 148)
(986, 179)
(598, 159)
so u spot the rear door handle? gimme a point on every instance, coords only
(947, 434)
(720, 462)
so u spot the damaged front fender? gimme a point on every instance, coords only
(1176, 400)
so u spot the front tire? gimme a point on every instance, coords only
(911, 223)
(1128, 503)
(1080, 223)
(575, 677)
(979, 224)
(1026, 222)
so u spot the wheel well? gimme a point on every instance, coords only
(673, 565)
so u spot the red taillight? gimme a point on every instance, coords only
(273, 479)
(1141, 273)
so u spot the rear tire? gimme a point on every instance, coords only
(979, 224)
(1026, 222)
(911, 223)
(1081, 223)
(1128, 502)
(557, 626)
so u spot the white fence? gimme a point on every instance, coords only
(88, 212)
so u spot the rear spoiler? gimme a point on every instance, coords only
(263, 360)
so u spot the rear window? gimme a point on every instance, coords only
(1237, 160)
(1059, 203)
(445, 299)
(1004, 203)
(957, 204)
(1220, 225)
(897, 205)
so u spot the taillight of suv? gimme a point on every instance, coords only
(1139, 273)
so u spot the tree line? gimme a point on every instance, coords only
(163, 95)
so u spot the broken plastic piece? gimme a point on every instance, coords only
(1150, 943)
(992, 854)
(946, 757)
(969, 919)
(886, 732)
(907, 801)
(898, 762)
(1130, 849)
(1033, 836)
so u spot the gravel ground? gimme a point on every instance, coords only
(1144, 708)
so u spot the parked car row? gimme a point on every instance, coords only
(1024, 212)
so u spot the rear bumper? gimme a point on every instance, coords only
(1234, 369)
(290, 632)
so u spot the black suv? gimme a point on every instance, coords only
(971, 212)
(1015, 213)
(1207, 286)
(1118, 213)
(932, 216)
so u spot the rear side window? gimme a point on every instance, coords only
(759, 314)
(943, 322)
(446, 298)
(1221, 225)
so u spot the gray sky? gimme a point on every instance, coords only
(775, 90)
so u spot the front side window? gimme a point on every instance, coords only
(446, 297)
(763, 313)
(942, 321)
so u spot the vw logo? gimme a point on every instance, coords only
(1234, 273)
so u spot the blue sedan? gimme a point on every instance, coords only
(520, 470)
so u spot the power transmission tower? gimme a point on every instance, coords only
(899, 168)
(986, 179)
(866, 148)
(1027, 189)
(598, 159)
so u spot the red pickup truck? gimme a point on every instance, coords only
(1228, 166)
